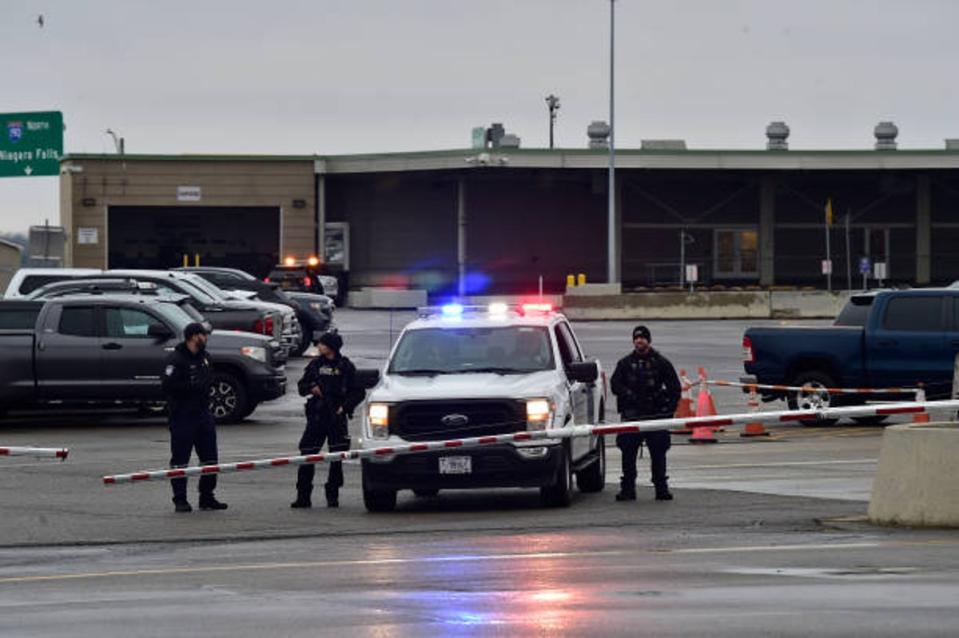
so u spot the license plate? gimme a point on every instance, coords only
(456, 465)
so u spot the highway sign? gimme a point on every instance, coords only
(31, 144)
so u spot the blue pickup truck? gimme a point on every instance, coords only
(881, 339)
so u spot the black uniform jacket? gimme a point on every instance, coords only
(646, 387)
(186, 381)
(336, 379)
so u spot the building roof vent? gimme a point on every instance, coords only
(886, 133)
(663, 145)
(598, 132)
(776, 135)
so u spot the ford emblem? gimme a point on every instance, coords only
(455, 420)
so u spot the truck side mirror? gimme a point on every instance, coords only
(585, 372)
(159, 332)
(367, 378)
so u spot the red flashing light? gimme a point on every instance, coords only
(529, 308)
(748, 355)
(266, 280)
(307, 282)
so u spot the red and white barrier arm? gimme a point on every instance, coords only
(810, 388)
(42, 452)
(784, 416)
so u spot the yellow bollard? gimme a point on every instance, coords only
(581, 280)
(186, 260)
(196, 260)
(570, 281)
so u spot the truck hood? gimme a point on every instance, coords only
(466, 386)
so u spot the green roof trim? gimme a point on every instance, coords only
(511, 151)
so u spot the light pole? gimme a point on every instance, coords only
(612, 265)
(552, 103)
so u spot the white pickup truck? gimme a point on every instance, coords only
(460, 372)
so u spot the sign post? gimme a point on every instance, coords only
(31, 144)
(865, 267)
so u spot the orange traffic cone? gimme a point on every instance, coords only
(685, 407)
(755, 428)
(704, 407)
(920, 417)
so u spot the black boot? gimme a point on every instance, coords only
(210, 503)
(182, 507)
(662, 492)
(627, 491)
(332, 496)
(302, 501)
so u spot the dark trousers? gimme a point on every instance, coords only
(328, 429)
(658, 443)
(189, 431)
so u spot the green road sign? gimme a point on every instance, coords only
(30, 144)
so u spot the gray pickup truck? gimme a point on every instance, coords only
(111, 349)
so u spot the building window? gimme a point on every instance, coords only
(736, 254)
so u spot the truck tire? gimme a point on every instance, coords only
(812, 400)
(560, 493)
(301, 346)
(593, 477)
(377, 500)
(229, 402)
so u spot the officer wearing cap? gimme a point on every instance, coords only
(330, 383)
(186, 383)
(646, 387)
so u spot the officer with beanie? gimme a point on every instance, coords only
(646, 388)
(330, 383)
(186, 383)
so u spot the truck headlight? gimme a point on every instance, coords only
(254, 352)
(539, 414)
(379, 414)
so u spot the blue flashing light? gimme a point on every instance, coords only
(453, 310)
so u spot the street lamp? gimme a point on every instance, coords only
(117, 141)
(552, 102)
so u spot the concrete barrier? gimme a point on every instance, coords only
(812, 304)
(668, 305)
(387, 298)
(592, 304)
(917, 481)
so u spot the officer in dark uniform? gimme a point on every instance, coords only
(186, 383)
(330, 383)
(646, 387)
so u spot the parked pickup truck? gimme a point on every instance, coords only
(112, 349)
(882, 339)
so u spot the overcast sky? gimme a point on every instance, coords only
(349, 76)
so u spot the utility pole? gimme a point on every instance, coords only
(552, 103)
(612, 265)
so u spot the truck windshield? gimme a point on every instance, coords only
(506, 350)
(175, 315)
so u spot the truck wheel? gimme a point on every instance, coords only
(814, 399)
(301, 347)
(560, 493)
(593, 478)
(377, 500)
(228, 399)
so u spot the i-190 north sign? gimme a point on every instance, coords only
(31, 144)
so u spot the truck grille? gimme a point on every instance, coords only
(424, 420)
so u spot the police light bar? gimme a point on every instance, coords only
(534, 308)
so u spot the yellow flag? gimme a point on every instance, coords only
(829, 211)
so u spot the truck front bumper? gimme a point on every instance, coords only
(494, 466)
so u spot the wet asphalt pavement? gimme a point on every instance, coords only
(766, 536)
